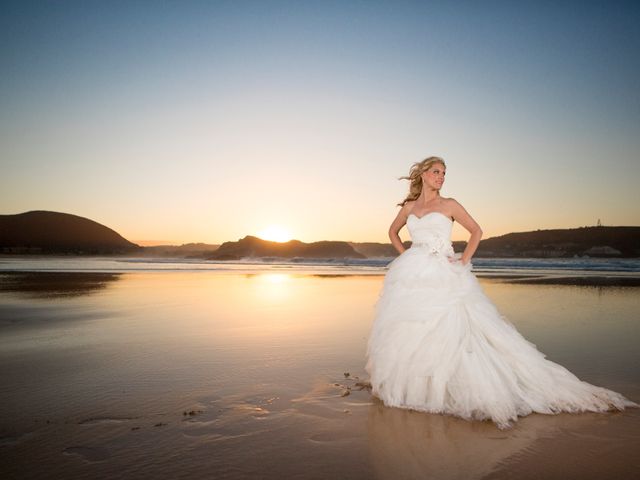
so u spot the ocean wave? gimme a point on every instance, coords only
(354, 265)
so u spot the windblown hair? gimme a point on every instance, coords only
(415, 179)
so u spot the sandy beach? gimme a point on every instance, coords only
(260, 375)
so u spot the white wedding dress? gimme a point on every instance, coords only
(439, 345)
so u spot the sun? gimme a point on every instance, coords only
(275, 233)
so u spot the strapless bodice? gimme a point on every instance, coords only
(432, 232)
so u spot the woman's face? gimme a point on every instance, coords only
(434, 177)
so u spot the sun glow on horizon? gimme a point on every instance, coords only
(275, 233)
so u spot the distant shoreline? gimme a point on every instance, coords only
(569, 280)
(586, 278)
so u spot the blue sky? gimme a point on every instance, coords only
(207, 121)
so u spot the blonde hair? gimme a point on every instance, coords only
(415, 177)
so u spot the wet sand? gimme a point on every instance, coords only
(227, 375)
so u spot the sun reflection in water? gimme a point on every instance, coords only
(273, 287)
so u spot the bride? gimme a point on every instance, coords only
(439, 345)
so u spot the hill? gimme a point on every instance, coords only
(591, 241)
(53, 232)
(251, 246)
(187, 250)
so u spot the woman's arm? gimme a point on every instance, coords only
(461, 216)
(395, 227)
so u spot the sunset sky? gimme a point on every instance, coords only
(205, 121)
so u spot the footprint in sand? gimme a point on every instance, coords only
(89, 454)
(11, 440)
(100, 420)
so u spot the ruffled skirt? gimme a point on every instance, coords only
(439, 345)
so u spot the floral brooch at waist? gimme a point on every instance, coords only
(435, 245)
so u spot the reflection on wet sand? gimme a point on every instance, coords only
(418, 445)
(201, 374)
(55, 284)
(408, 444)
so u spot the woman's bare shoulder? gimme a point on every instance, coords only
(404, 211)
(449, 201)
(452, 206)
(408, 206)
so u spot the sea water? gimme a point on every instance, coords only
(610, 266)
(165, 371)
